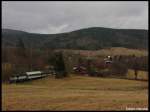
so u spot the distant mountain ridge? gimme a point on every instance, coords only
(85, 39)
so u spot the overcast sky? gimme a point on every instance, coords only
(57, 17)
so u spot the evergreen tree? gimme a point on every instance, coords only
(135, 66)
(90, 68)
(59, 66)
(21, 48)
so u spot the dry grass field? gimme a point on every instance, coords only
(142, 75)
(122, 51)
(75, 93)
(113, 51)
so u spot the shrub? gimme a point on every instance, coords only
(7, 71)
(118, 68)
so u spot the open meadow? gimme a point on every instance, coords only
(82, 56)
(75, 93)
(112, 51)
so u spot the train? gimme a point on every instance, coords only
(28, 76)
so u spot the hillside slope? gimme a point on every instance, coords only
(89, 39)
(111, 51)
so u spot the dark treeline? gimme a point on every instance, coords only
(118, 68)
(21, 59)
(132, 61)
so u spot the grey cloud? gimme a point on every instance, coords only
(57, 17)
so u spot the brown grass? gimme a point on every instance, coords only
(75, 93)
(112, 51)
(142, 75)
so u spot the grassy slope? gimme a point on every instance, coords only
(123, 51)
(141, 75)
(113, 51)
(75, 93)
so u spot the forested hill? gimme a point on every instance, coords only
(90, 39)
